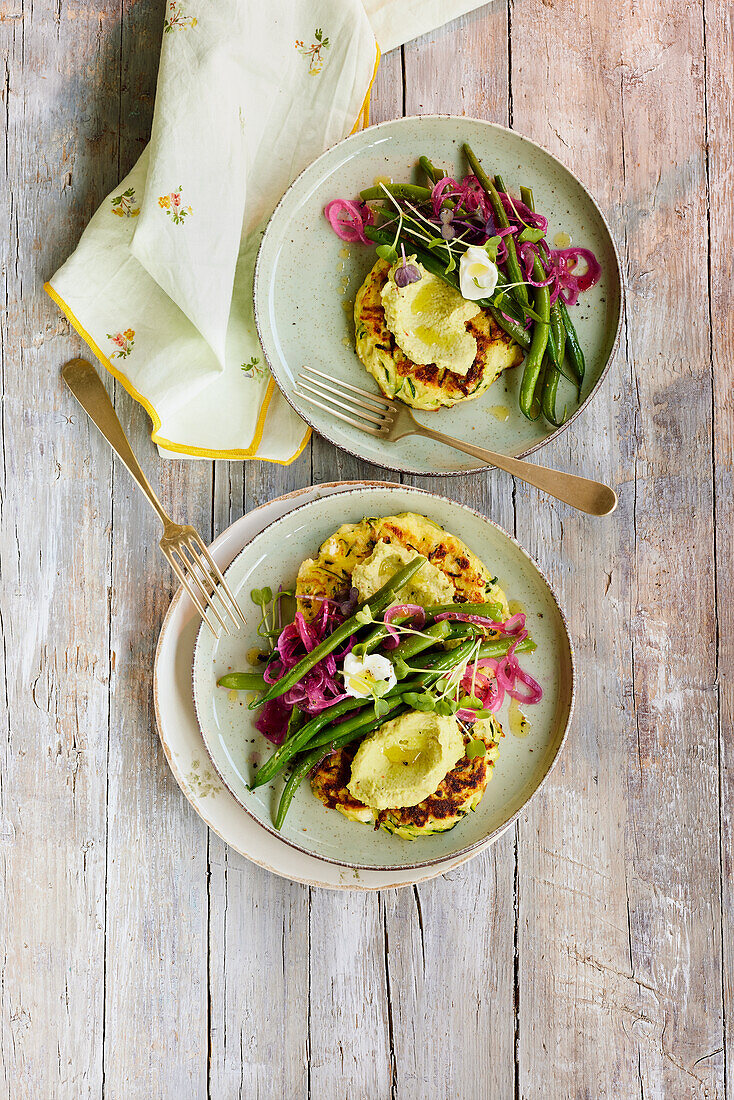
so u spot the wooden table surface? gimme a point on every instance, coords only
(588, 953)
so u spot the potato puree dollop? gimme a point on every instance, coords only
(405, 760)
(428, 320)
(428, 586)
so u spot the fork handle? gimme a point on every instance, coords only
(86, 385)
(593, 497)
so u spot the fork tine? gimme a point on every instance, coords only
(232, 608)
(340, 416)
(194, 575)
(343, 404)
(181, 574)
(322, 388)
(378, 400)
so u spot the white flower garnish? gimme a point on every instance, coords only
(477, 274)
(362, 673)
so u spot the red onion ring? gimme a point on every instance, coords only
(535, 693)
(412, 611)
(348, 218)
(521, 214)
(477, 620)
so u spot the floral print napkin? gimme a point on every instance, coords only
(160, 285)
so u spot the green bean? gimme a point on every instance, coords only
(549, 392)
(378, 635)
(317, 753)
(556, 337)
(381, 632)
(299, 773)
(288, 749)
(499, 183)
(573, 347)
(242, 681)
(398, 191)
(556, 348)
(344, 736)
(500, 216)
(476, 167)
(377, 603)
(538, 344)
(498, 647)
(294, 781)
(489, 610)
(495, 647)
(444, 662)
(513, 328)
(459, 631)
(434, 174)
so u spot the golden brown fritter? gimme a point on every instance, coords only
(458, 794)
(328, 575)
(425, 387)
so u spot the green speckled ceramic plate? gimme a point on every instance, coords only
(305, 275)
(235, 746)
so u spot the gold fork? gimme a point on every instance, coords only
(392, 420)
(183, 548)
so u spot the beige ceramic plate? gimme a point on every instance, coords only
(235, 746)
(186, 753)
(305, 275)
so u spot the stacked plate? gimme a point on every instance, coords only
(212, 757)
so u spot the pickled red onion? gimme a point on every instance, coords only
(411, 611)
(348, 218)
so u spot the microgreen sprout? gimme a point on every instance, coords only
(364, 616)
(270, 605)
(422, 701)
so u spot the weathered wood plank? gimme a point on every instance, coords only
(55, 614)
(628, 943)
(259, 980)
(719, 32)
(352, 1042)
(156, 1012)
(674, 884)
(580, 1008)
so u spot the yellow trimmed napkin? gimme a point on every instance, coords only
(160, 285)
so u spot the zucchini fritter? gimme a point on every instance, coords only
(425, 387)
(458, 794)
(328, 575)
